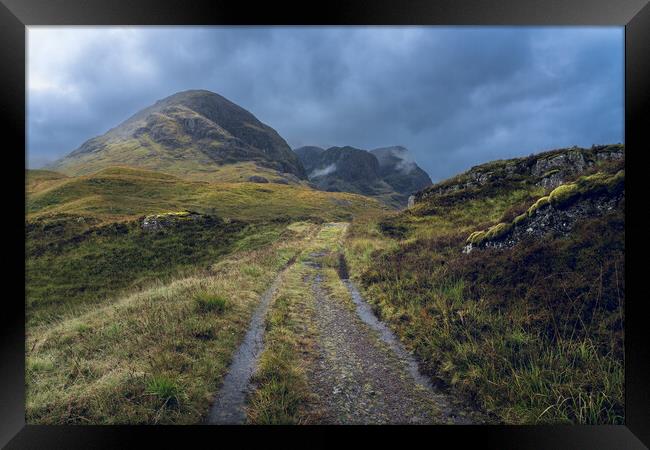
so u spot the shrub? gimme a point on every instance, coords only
(207, 302)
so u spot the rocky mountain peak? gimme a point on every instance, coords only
(187, 132)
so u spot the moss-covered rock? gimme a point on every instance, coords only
(538, 204)
(476, 237)
(562, 194)
(498, 230)
(520, 218)
(491, 233)
(585, 187)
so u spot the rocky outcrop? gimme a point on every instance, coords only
(257, 179)
(550, 219)
(160, 221)
(588, 197)
(556, 169)
(548, 170)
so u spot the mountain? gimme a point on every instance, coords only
(389, 174)
(194, 134)
(309, 156)
(398, 169)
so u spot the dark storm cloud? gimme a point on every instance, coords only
(454, 96)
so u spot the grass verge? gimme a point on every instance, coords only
(281, 392)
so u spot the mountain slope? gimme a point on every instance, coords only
(194, 134)
(507, 282)
(388, 174)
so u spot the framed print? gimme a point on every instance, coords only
(284, 218)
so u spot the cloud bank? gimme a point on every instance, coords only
(454, 96)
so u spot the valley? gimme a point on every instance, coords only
(188, 267)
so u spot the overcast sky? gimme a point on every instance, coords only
(454, 96)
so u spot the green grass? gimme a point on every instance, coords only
(71, 267)
(165, 388)
(281, 392)
(85, 243)
(117, 194)
(208, 302)
(149, 357)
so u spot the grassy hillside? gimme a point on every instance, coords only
(72, 266)
(122, 193)
(156, 356)
(532, 333)
(85, 241)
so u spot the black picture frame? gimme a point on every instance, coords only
(16, 15)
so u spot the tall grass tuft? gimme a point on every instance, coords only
(208, 302)
(165, 388)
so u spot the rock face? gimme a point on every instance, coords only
(411, 201)
(587, 197)
(309, 156)
(348, 164)
(156, 222)
(190, 131)
(557, 221)
(389, 173)
(548, 170)
(555, 169)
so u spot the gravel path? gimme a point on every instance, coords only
(362, 375)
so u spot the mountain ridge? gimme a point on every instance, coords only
(388, 173)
